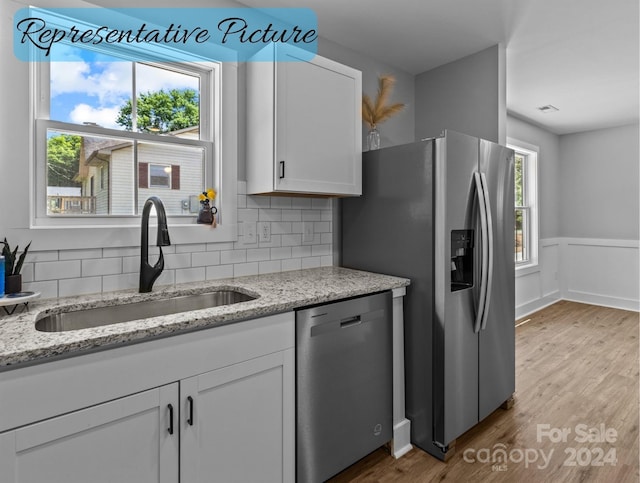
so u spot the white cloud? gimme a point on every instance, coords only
(103, 116)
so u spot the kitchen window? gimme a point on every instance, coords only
(101, 112)
(100, 118)
(526, 207)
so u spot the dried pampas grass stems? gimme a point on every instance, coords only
(373, 113)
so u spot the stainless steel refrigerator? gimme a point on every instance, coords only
(441, 212)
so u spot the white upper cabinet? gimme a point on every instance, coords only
(303, 126)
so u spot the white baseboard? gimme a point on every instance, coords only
(535, 305)
(603, 300)
(401, 443)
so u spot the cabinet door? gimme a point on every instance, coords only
(119, 441)
(319, 130)
(239, 426)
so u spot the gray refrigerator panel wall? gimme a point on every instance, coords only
(389, 230)
(455, 347)
(497, 340)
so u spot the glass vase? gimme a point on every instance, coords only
(373, 139)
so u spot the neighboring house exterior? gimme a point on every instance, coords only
(108, 174)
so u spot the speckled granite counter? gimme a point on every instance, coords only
(21, 343)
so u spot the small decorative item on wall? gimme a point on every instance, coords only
(13, 266)
(374, 113)
(208, 212)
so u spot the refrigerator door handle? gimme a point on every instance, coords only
(489, 279)
(484, 242)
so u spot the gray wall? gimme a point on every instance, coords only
(399, 129)
(599, 183)
(467, 95)
(549, 184)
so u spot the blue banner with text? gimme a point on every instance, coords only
(168, 34)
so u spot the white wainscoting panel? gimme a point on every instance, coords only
(601, 272)
(539, 286)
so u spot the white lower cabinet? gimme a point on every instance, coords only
(234, 423)
(126, 440)
(234, 426)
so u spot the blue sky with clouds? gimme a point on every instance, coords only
(88, 87)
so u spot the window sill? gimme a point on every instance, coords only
(527, 269)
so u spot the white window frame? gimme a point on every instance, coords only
(124, 231)
(531, 228)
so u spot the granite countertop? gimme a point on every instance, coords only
(21, 343)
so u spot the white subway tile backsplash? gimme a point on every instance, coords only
(300, 252)
(311, 262)
(57, 270)
(48, 289)
(301, 203)
(120, 252)
(280, 253)
(44, 256)
(320, 250)
(101, 266)
(326, 261)
(74, 272)
(258, 254)
(233, 256)
(191, 248)
(291, 215)
(280, 227)
(276, 241)
(80, 254)
(248, 215)
(111, 283)
(291, 240)
(321, 203)
(203, 259)
(258, 202)
(186, 275)
(130, 264)
(78, 286)
(270, 214)
(242, 269)
(219, 246)
(175, 260)
(311, 215)
(219, 271)
(322, 226)
(291, 264)
(270, 266)
(281, 202)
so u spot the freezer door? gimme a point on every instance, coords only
(455, 347)
(497, 339)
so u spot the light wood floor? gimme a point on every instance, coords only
(576, 364)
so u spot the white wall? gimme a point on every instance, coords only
(600, 216)
(588, 191)
(467, 95)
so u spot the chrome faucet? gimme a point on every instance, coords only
(149, 274)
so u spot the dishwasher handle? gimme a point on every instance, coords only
(326, 326)
(350, 321)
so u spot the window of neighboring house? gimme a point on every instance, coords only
(97, 109)
(526, 206)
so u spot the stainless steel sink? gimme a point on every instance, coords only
(96, 317)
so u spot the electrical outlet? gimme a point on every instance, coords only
(249, 233)
(264, 231)
(307, 231)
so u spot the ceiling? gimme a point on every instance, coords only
(581, 56)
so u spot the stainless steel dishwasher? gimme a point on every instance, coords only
(343, 384)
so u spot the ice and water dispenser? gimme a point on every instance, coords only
(461, 259)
